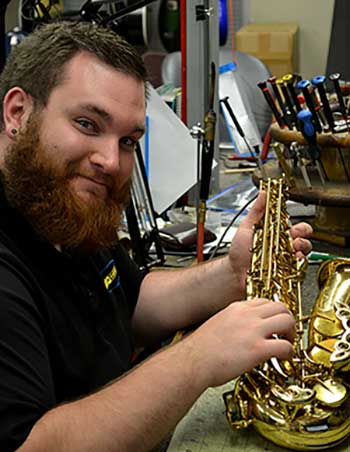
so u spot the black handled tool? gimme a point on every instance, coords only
(278, 96)
(335, 80)
(225, 101)
(319, 82)
(304, 86)
(289, 81)
(293, 117)
(269, 99)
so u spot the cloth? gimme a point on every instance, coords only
(64, 324)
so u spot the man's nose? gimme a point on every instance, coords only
(106, 157)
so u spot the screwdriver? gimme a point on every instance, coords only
(335, 79)
(304, 85)
(289, 81)
(289, 103)
(269, 99)
(256, 158)
(309, 132)
(319, 82)
(277, 93)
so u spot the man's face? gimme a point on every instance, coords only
(69, 169)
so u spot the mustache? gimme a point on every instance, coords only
(99, 177)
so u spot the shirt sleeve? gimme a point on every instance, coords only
(26, 384)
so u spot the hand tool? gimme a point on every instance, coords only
(309, 132)
(319, 82)
(335, 79)
(288, 101)
(255, 156)
(289, 81)
(304, 86)
(295, 149)
(270, 100)
(277, 93)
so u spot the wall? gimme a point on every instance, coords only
(315, 21)
(11, 19)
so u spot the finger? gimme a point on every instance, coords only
(282, 325)
(256, 212)
(268, 308)
(301, 230)
(302, 246)
(278, 348)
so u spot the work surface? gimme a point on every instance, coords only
(205, 428)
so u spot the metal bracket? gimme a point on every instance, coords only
(203, 13)
(197, 132)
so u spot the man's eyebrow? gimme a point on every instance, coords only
(98, 111)
(108, 118)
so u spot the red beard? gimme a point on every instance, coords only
(37, 188)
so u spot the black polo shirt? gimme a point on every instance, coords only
(64, 324)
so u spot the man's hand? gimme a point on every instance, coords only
(240, 255)
(241, 336)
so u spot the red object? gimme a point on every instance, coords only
(200, 242)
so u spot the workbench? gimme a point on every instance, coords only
(205, 428)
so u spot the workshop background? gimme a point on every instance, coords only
(197, 172)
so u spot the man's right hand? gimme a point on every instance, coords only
(241, 336)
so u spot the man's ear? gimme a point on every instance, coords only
(17, 107)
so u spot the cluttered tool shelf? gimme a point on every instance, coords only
(334, 195)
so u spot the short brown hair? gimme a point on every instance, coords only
(37, 64)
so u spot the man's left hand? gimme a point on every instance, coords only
(240, 255)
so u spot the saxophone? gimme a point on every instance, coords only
(303, 404)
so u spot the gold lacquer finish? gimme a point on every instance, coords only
(303, 404)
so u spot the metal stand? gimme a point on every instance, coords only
(202, 48)
(140, 216)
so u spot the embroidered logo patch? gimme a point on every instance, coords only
(110, 276)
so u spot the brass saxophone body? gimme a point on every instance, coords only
(303, 404)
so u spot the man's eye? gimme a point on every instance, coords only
(129, 143)
(86, 125)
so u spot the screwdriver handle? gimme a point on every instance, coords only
(289, 81)
(319, 83)
(269, 99)
(335, 79)
(276, 91)
(304, 86)
(305, 116)
(309, 132)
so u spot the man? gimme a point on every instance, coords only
(72, 303)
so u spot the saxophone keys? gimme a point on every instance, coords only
(343, 313)
(293, 394)
(331, 392)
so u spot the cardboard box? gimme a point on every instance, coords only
(275, 44)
